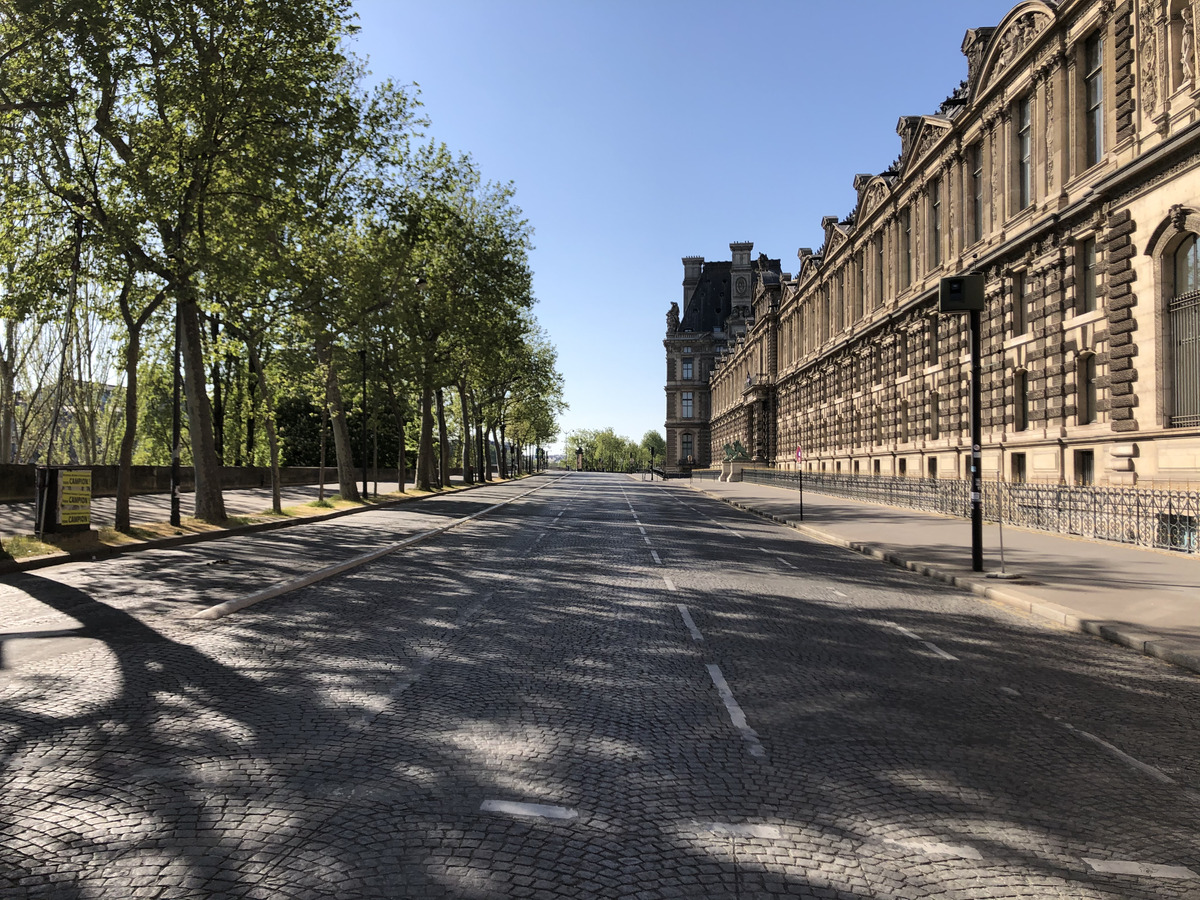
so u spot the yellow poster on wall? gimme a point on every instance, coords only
(75, 497)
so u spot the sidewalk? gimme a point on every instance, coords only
(18, 518)
(1143, 599)
(148, 510)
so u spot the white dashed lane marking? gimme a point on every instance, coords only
(932, 648)
(1146, 870)
(527, 810)
(778, 556)
(727, 528)
(936, 849)
(840, 594)
(670, 584)
(654, 553)
(736, 716)
(691, 626)
(1145, 768)
(727, 829)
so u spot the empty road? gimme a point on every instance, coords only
(603, 688)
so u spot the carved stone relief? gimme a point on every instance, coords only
(930, 137)
(1020, 35)
(875, 196)
(1049, 134)
(997, 202)
(1149, 74)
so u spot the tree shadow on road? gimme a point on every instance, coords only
(339, 741)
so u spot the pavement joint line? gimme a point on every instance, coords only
(691, 625)
(657, 559)
(736, 715)
(528, 810)
(670, 584)
(1184, 654)
(221, 610)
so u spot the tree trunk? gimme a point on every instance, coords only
(402, 461)
(8, 379)
(321, 470)
(251, 418)
(218, 393)
(133, 350)
(337, 419)
(443, 442)
(425, 447)
(210, 503)
(268, 423)
(468, 475)
(485, 465)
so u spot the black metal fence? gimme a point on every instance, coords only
(1163, 518)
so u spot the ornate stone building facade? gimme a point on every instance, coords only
(716, 311)
(1066, 170)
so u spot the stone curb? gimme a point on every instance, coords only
(221, 610)
(1180, 652)
(103, 552)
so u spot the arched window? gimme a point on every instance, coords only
(1183, 314)
(1187, 266)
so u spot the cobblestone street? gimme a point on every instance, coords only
(605, 688)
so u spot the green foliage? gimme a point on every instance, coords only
(226, 165)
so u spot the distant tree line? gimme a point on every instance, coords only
(214, 182)
(606, 451)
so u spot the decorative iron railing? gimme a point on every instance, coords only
(1164, 518)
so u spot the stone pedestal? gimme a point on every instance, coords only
(732, 471)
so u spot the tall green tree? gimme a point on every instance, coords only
(146, 117)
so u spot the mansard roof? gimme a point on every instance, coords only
(708, 306)
(990, 51)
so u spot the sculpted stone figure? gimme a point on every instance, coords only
(735, 452)
(673, 317)
(1186, 42)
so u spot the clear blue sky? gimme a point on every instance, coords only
(637, 133)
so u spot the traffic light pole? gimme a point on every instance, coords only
(976, 447)
(960, 294)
